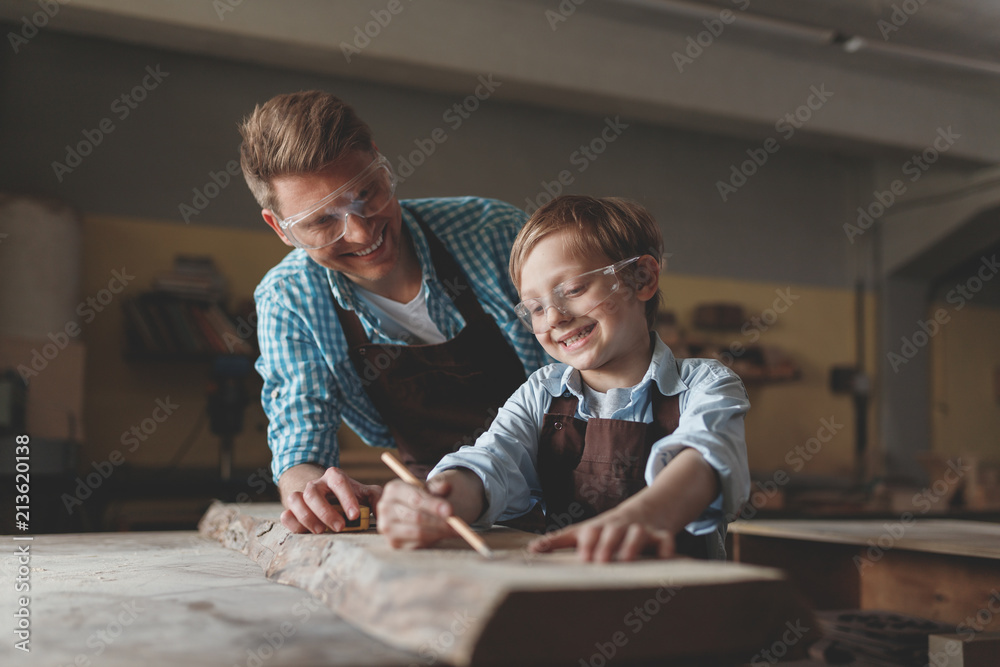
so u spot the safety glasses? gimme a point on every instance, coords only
(573, 298)
(325, 222)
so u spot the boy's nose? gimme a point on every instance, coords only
(555, 316)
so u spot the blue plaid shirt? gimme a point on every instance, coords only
(310, 383)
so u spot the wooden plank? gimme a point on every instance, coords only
(169, 599)
(943, 536)
(801, 560)
(957, 590)
(922, 568)
(964, 650)
(451, 604)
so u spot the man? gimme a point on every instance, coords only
(395, 317)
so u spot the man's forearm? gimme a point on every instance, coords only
(295, 478)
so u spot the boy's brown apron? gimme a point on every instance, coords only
(588, 467)
(436, 398)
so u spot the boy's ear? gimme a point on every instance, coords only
(647, 277)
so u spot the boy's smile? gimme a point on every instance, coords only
(610, 345)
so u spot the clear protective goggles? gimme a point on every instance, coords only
(325, 222)
(574, 297)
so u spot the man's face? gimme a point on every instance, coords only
(369, 249)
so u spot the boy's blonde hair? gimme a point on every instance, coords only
(297, 133)
(614, 227)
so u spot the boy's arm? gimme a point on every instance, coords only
(492, 479)
(648, 520)
(411, 518)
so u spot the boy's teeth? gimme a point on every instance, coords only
(583, 333)
(372, 248)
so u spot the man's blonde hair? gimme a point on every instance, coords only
(611, 226)
(297, 133)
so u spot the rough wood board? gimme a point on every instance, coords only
(450, 604)
(168, 600)
(943, 536)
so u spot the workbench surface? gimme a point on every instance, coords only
(127, 599)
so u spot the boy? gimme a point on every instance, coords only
(584, 437)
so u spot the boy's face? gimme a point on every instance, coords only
(610, 344)
(369, 250)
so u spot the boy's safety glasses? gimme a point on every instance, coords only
(325, 222)
(574, 297)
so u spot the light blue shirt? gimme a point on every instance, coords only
(712, 404)
(310, 383)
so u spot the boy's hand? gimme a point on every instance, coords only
(621, 534)
(412, 518)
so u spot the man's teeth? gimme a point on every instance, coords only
(583, 333)
(372, 248)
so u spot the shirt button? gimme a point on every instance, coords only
(558, 426)
(275, 393)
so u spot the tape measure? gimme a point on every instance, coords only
(363, 522)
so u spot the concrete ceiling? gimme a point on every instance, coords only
(940, 68)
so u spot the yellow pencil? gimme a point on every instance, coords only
(455, 522)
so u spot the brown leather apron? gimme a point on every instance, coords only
(436, 398)
(589, 467)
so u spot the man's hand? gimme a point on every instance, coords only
(618, 534)
(411, 518)
(308, 493)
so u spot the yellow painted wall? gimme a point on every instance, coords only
(965, 356)
(120, 394)
(817, 331)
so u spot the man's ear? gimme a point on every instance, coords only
(647, 277)
(272, 222)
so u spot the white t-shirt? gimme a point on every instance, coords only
(409, 321)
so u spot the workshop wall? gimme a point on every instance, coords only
(143, 191)
(815, 330)
(783, 224)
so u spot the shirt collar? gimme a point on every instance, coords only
(344, 290)
(662, 370)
